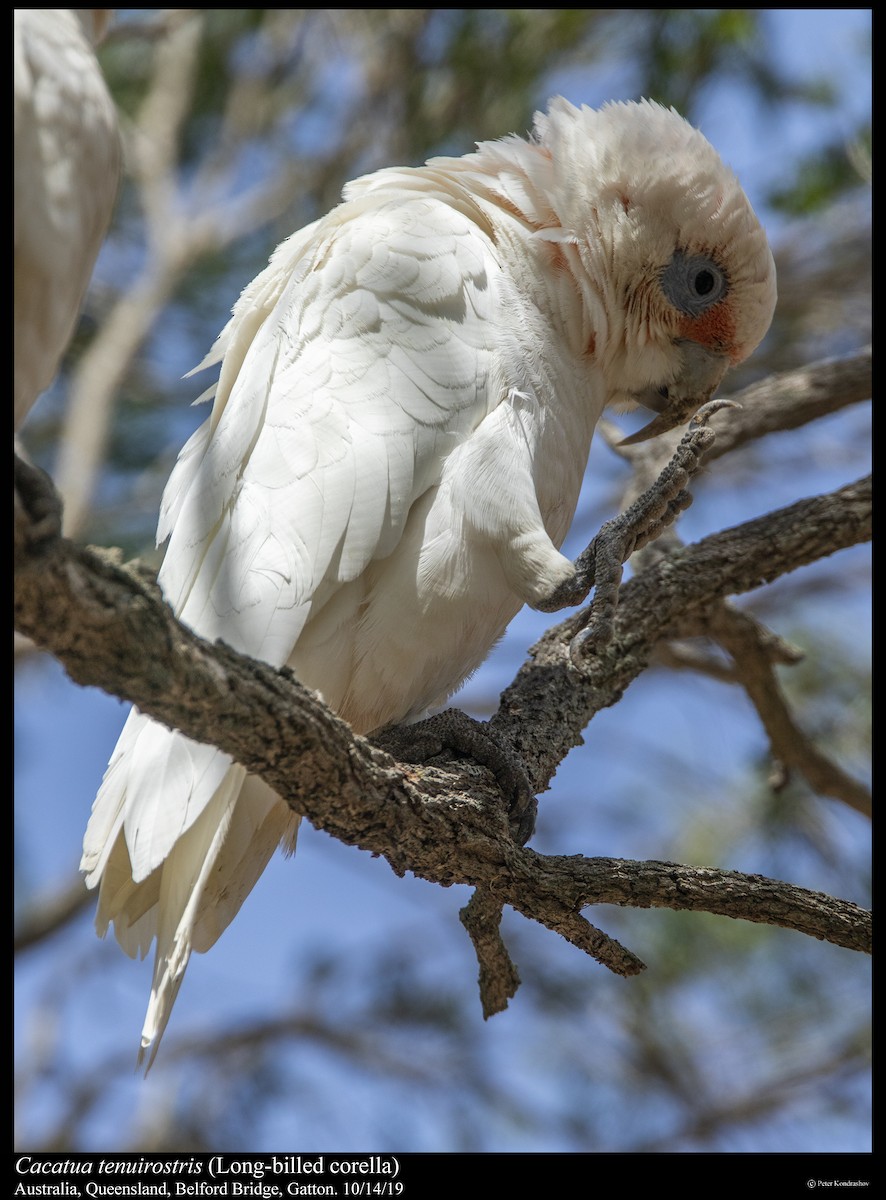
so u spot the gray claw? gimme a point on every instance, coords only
(706, 411)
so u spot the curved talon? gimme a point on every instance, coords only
(576, 658)
(38, 507)
(595, 637)
(706, 411)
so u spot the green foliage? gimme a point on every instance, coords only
(681, 51)
(824, 177)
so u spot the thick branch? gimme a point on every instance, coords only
(544, 711)
(446, 826)
(581, 881)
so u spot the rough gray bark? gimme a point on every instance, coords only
(446, 821)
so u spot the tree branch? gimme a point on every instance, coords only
(794, 398)
(444, 823)
(47, 915)
(544, 711)
(754, 670)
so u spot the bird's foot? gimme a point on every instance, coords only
(454, 730)
(38, 509)
(600, 565)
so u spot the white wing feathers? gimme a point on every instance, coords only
(351, 367)
(67, 159)
(360, 378)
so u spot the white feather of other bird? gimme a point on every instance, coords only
(399, 433)
(67, 165)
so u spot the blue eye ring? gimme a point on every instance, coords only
(693, 283)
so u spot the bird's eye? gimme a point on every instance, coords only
(693, 283)
(704, 283)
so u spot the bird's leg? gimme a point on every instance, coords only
(38, 509)
(454, 730)
(600, 565)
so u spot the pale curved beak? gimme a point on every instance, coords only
(700, 375)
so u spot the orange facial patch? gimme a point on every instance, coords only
(714, 329)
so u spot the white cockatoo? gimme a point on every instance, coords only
(67, 164)
(399, 432)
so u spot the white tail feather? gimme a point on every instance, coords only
(188, 899)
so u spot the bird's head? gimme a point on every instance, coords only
(675, 272)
